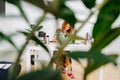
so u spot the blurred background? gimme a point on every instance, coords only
(13, 22)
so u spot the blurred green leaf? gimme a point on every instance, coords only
(28, 30)
(39, 28)
(32, 26)
(7, 38)
(60, 2)
(35, 39)
(64, 12)
(67, 14)
(107, 15)
(45, 74)
(106, 38)
(76, 37)
(99, 61)
(95, 59)
(25, 33)
(97, 56)
(57, 8)
(89, 3)
(40, 43)
(17, 3)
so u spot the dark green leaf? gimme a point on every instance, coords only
(76, 37)
(40, 27)
(104, 39)
(64, 12)
(40, 43)
(25, 33)
(28, 30)
(17, 3)
(60, 2)
(107, 15)
(98, 62)
(22, 12)
(57, 8)
(97, 56)
(95, 59)
(45, 74)
(7, 38)
(32, 26)
(36, 40)
(89, 3)
(68, 15)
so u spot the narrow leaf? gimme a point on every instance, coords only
(67, 14)
(22, 12)
(95, 59)
(25, 33)
(105, 39)
(17, 3)
(97, 56)
(40, 43)
(40, 27)
(76, 37)
(89, 3)
(57, 8)
(32, 26)
(107, 15)
(45, 74)
(102, 60)
(28, 30)
(7, 38)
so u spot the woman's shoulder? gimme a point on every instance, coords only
(58, 30)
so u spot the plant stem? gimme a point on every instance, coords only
(61, 49)
(24, 46)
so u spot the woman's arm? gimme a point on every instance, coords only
(62, 37)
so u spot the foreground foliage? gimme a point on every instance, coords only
(109, 11)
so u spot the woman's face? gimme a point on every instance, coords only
(67, 27)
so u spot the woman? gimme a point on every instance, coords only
(63, 36)
(66, 30)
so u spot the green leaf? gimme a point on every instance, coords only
(64, 12)
(98, 62)
(7, 38)
(22, 12)
(95, 59)
(89, 3)
(40, 43)
(40, 27)
(57, 8)
(67, 14)
(28, 30)
(97, 56)
(17, 3)
(60, 2)
(36, 40)
(45, 74)
(25, 33)
(107, 15)
(32, 26)
(106, 38)
(76, 37)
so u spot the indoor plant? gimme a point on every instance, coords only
(109, 11)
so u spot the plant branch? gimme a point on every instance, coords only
(61, 49)
(24, 46)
